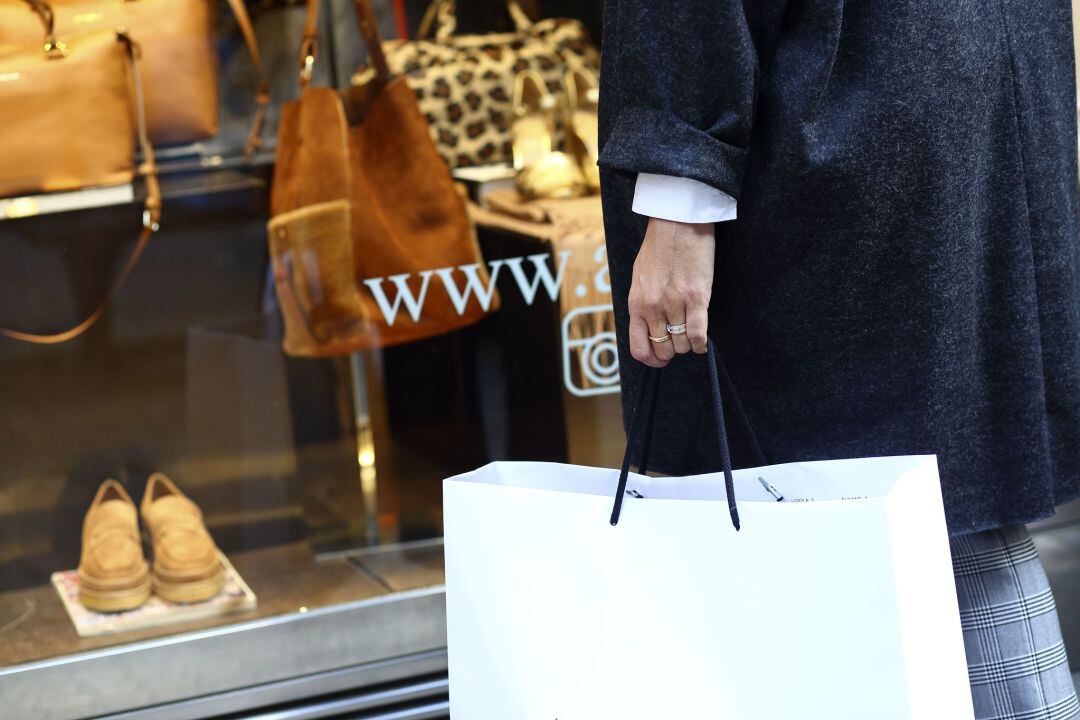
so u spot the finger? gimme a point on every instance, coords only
(640, 345)
(697, 328)
(676, 315)
(658, 329)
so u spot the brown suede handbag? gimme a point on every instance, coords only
(370, 241)
(179, 58)
(52, 147)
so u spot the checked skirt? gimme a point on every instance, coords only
(1016, 657)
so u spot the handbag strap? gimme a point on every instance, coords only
(442, 15)
(369, 29)
(150, 219)
(643, 419)
(52, 47)
(262, 94)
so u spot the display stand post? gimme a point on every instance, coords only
(362, 365)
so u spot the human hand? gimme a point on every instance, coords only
(671, 285)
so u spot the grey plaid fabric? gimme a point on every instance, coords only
(1015, 653)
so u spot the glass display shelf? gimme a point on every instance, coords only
(182, 179)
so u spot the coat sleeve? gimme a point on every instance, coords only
(679, 82)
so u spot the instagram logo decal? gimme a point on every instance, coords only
(594, 357)
(590, 355)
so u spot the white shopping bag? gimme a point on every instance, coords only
(836, 602)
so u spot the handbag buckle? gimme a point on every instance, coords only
(148, 221)
(54, 49)
(307, 51)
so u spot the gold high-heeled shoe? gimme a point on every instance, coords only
(582, 126)
(532, 132)
(542, 171)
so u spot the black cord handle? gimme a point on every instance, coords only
(642, 423)
(650, 417)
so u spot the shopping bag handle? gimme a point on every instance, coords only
(642, 422)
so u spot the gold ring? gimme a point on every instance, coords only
(660, 339)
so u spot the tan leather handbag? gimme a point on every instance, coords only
(360, 202)
(53, 148)
(179, 57)
(47, 146)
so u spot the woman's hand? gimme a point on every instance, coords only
(672, 284)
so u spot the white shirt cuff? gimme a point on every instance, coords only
(681, 199)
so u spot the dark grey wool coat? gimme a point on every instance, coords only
(903, 276)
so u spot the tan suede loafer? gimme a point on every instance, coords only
(113, 574)
(187, 567)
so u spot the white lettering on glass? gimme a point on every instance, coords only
(473, 285)
(602, 281)
(543, 274)
(414, 303)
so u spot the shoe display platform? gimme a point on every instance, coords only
(348, 631)
(234, 597)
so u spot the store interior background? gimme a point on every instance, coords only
(185, 375)
(316, 508)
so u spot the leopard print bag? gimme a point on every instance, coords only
(465, 83)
